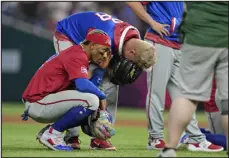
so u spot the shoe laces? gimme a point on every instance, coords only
(154, 140)
(59, 139)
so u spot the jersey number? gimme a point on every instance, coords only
(105, 17)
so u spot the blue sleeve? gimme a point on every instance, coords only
(85, 85)
(97, 76)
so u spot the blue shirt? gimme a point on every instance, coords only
(77, 25)
(167, 13)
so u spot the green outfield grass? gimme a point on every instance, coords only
(18, 139)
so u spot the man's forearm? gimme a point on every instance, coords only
(140, 11)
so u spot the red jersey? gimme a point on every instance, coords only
(57, 74)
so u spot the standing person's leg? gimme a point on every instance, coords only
(157, 81)
(192, 90)
(111, 92)
(222, 85)
(213, 113)
(193, 131)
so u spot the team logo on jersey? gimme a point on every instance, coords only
(83, 70)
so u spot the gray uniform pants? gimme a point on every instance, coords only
(165, 75)
(108, 88)
(214, 118)
(54, 106)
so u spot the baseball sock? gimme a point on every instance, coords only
(76, 116)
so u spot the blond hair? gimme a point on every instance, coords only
(145, 54)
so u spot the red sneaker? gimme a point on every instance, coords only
(205, 146)
(155, 144)
(74, 142)
(101, 145)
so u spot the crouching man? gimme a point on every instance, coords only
(61, 93)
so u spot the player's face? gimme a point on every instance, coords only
(101, 55)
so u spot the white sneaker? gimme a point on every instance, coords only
(155, 144)
(183, 141)
(205, 146)
(54, 140)
(167, 153)
(39, 134)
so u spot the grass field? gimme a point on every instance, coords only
(18, 138)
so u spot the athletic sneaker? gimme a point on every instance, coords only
(54, 140)
(183, 140)
(205, 146)
(155, 144)
(74, 142)
(167, 153)
(101, 144)
(39, 134)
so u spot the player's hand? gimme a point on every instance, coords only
(160, 28)
(104, 125)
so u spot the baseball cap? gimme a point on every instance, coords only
(99, 38)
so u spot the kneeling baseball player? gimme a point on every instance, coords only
(125, 44)
(61, 93)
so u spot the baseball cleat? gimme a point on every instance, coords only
(74, 142)
(155, 144)
(97, 144)
(204, 146)
(54, 140)
(39, 134)
(183, 140)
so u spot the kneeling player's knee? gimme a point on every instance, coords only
(224, 104)
(93, 101)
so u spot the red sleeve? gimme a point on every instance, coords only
(76, 64)
(144, 3)
(119, 28)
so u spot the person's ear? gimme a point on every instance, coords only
(133, 52)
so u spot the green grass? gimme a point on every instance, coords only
(18, 140)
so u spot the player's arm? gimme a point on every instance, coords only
(86, 86)
(140, 11)
(77, 72)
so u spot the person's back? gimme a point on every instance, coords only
(77, 25)
(206, 24)
(163, 13)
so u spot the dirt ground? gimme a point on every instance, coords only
(130, 123)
